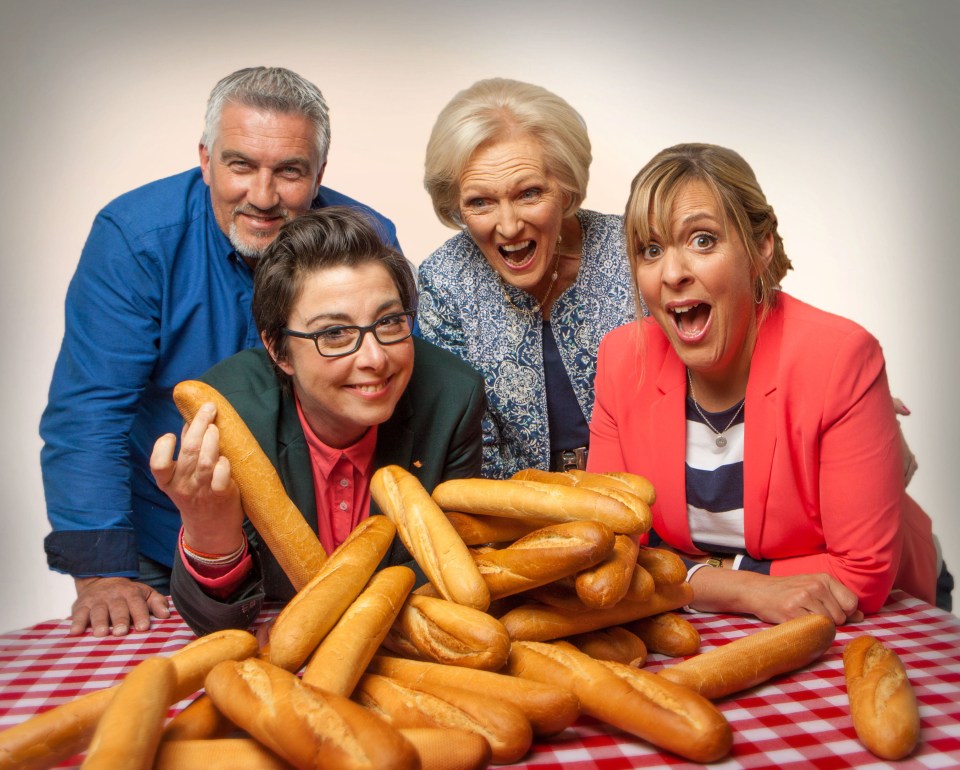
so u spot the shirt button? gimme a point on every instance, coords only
(343, 506)
(344, 483)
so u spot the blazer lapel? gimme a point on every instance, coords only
(295, 470)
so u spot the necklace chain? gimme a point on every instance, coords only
(721, 441)
(538, 305)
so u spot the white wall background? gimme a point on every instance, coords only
(849, 113)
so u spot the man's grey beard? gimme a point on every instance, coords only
(246, 249)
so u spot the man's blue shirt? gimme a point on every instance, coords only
(159, 296)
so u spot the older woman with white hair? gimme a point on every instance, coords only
(532, 282)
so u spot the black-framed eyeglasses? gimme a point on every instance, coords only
(336, 341)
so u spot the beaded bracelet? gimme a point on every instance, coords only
(213, 560)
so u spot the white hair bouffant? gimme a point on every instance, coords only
(494, 109)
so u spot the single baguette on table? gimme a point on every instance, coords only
(265, 502)
(128, 733)
(665, 567)
(425, 704)
(434, 629)
(549, 708)
(540, 623)
(429, 536)
(217, 754)
(882, 703)
(442, 748)
(606, 583)
(343, 655)
(553, 503)
(476, 529)
(667, 634)
(754, 658)
(48, 738)
(614, 643)
(310, 615)
(636, 701)
(305, 726)
(544, 555)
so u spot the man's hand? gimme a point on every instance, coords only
(112, 604)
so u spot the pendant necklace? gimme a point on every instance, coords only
(538, 306)
(721, 441)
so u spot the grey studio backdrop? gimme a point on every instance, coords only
(847, 111)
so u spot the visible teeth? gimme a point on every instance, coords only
(368, 388)
(685, 309)
(511, 247)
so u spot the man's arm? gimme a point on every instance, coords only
(109, 349)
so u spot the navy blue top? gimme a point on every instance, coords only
(158, 297)
(568, 426)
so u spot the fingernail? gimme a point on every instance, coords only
(120, 629)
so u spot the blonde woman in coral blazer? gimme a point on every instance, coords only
(826, 524)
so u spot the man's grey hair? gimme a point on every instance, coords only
(273, 89)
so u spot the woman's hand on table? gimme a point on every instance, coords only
(774, 599)
(200, 485)
(114, 605)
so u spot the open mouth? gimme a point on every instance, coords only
(518, 255)
(691, 320)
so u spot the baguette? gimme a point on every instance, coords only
(50, 737)
(665, 567)
(667, 634)
(502, 724)
(630, 699)
(217, 754)
(617, 490)
(639, 485)
(437, 630)
(754, 658)
(476, 529)
(265, 502)
(532, 499)
(128, 733)
(430, 537)
(200, 720)
(606, 583)
(549, 708)
(546, 477)
(305, 726)
(543, 556)
(882, 704)
(540, 623)
(343, 655)
(448, 748)
(310, 615)
(613, 643)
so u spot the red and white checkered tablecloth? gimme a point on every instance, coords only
(801, 720)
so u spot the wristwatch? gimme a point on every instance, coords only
(715, 561)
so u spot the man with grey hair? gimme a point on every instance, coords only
(161, 293)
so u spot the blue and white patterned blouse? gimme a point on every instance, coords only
(463, 308)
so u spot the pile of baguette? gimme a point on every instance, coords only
(540, 607)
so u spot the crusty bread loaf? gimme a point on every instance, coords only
(310, 615)
(544, 555)
(442, 748)
(198, 721)
(639, 485)
(619, 491)
(305, 726)
(606, 583)
(265, 502)
(613, 643)
(665, 567)
(429, 536)
(754, 658)
(545, 477)
(344, 653)
(54, 735)
(882, 704)
(475, 529)
(631, 699)
(667, 634)
(540, 623)
(531, 499)
(502, 724)
(441, 631)
(217, 754)
(128, 733)
(549, 708)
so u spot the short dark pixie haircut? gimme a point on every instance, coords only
(335, 236)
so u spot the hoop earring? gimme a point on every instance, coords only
(762, 292)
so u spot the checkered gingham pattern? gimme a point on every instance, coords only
(800, 720)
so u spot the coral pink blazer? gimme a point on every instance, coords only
(823, 472)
